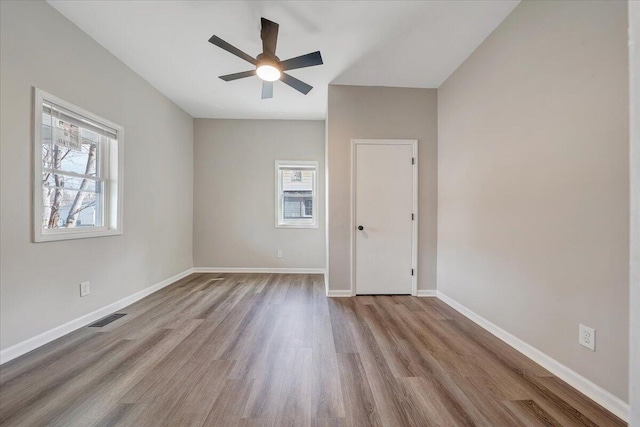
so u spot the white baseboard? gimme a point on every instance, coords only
(577, 381)
(338, 293)
(427, 293)
(258, 270)
(30, 344)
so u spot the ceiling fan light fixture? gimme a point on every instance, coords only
(268, 72)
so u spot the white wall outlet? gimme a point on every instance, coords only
(85, 289)
(279, 253)
(587, 336)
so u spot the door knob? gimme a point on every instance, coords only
(360, 228)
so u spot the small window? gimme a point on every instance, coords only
(296, 194)
(77, 185)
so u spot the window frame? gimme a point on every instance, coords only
(305, 222)
(111, 162)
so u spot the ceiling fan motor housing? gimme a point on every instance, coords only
(266, 59)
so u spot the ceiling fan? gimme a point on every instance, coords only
(268, 66)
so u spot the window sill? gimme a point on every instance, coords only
(73, 235)
(296, 225)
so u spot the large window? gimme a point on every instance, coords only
(77, 184)
(296, 194)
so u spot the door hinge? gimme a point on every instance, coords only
(413, 217)
(412, 271)
(413, 160)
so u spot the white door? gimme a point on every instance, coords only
(384, 224)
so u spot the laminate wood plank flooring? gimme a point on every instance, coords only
(273, 350)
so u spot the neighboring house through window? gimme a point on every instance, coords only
(77, 185)
(296, 194)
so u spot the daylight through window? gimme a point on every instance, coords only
(76, 165)
(296, 194)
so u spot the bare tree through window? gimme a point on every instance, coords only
(69, 181)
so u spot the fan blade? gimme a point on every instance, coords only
(308, 60)
(267, 90)
(269, 36)
(231, 49)
(298, 85)
(236, 76)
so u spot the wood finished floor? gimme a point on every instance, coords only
(272, 350)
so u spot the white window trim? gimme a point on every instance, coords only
(113, 162)
(304, 223)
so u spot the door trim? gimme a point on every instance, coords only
(414, 246)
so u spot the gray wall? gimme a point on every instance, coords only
(533, 192)
(380, 113)
(634, 73)
(39, 282)
(234, 217)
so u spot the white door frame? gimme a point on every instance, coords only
(634, 232)
(414, 246)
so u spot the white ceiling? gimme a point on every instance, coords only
(367, 43)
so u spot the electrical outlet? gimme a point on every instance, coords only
(85, 289)
(587, 336)
(279, 253)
